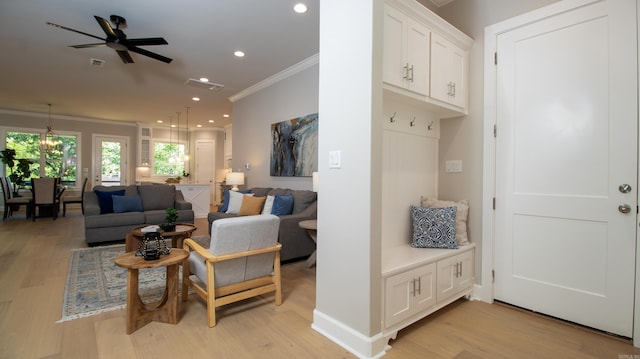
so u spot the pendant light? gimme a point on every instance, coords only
(48, 141)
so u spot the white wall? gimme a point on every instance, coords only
(461, 138)
(253, 115)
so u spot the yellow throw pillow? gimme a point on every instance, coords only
(251, 205)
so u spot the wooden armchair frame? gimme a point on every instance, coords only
(233, 292)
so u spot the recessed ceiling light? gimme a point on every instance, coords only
(204, 79)
(173, 126)
(300, 8)
(195, 98)
(198, 125)
(239, 53)
(160, 121)
(211, 121)
(225, 115)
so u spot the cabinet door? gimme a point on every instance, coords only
(467, 270)
(447, 277)
(394, 47)
(418, 39)
(425, 287)
(448, 72)
(398, 298)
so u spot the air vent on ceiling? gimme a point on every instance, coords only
(96, 62)
(441, 2)
(204, 85)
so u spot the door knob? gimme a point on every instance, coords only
(624, 188)
(624, 208)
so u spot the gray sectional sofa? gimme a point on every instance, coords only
(296, 243)
(141, 205)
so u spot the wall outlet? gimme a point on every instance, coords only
(453, 166)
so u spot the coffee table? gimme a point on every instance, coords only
(140, 314)
(182, 231)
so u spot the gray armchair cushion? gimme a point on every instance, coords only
(157, 196)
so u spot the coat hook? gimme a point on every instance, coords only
(413, 123)
(430, 127)
(393, 118)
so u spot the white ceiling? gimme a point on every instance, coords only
(37, 67)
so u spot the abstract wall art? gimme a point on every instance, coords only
(294, 152)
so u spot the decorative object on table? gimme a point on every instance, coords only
(173, 179)
(185, 174)
(153, 245)
(294, 152)
(171, 218)
(234, 179)
(19, 168)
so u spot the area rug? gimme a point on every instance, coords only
(96, 285)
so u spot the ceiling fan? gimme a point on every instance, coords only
(117, 40)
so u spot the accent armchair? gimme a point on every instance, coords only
(243, 261)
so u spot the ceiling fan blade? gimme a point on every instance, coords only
(88, 45)
(147, 41)
(124, 55)
(79, 32)
(150, 54)
(104, 24)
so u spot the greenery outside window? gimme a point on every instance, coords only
(59, 159)
(168, 158)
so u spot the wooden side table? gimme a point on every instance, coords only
(311, 226)
(140, 314)
(182, 231)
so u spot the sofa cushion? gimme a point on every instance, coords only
(114, 219)
(282, 204)
(126, 204)
(225, 199)
(235, 201)
(159, 196)
(302, 199)
(268, 205)
(251, 205)
(105, 199)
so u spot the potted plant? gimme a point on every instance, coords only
(20, 168)
(171, 218)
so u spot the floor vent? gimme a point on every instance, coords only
(204, 85)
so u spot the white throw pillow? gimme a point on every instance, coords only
(268, 205)
(235, 201)
(461, 215)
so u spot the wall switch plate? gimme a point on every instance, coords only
(453, 166)
(335, 159)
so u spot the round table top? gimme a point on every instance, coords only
(129, 260)
(309, 224)
(180, 229)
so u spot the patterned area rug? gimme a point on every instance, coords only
(96, 285)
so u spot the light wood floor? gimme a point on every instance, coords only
(33, 268)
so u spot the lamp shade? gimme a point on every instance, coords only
(234, 179)
(315, 181)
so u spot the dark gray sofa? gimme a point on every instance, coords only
(155, 199)
(295, 241)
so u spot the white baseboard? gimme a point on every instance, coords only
(362, 346)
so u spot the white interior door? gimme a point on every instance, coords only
(109, 160)
(566, 148)
(206, 164)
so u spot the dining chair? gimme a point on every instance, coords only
(74, 198)
(45, 194)
(11, 202)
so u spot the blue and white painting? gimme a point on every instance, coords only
(294, 152)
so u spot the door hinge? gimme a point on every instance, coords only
(494, 203)
(493, 276)
(495, 58)
(495, 130)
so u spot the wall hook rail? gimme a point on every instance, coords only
(413, 122)
(392, 119)
(430, 126)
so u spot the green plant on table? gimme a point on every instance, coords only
(20, 168)
(172, 215)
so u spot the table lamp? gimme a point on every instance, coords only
(234, 179)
